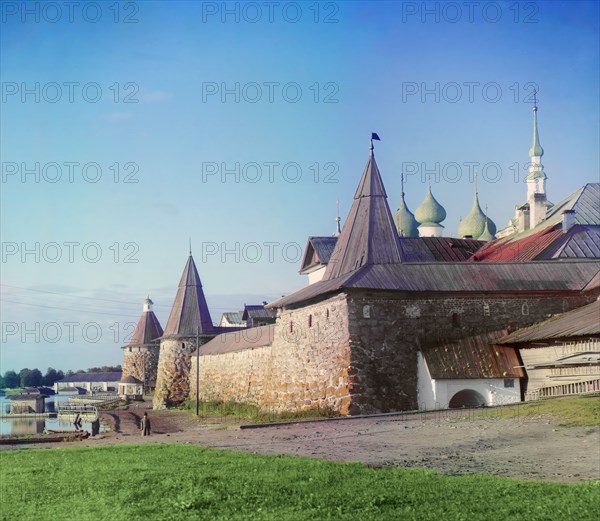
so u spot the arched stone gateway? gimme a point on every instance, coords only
(466, 398)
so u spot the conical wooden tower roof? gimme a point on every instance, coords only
(369, 234)
(148, 328)
(190, 311)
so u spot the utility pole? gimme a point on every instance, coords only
(197, 375)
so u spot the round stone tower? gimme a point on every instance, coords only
(140, 355)
(189, 326)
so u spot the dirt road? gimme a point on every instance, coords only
(533, 448)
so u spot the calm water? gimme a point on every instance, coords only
(37, 425)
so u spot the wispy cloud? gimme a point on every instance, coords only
(154, 96)
(120, 116)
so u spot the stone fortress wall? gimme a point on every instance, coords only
(357, 353)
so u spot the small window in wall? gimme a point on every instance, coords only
(525, 309)
(366, 311)
(486, 309)
(509, 382)
(130, 349)
(327, 314)
(291, 326)
(454, 319)
(182, 345)
(309, 320)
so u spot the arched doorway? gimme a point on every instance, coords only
(466, 398)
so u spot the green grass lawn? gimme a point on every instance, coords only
(183, 482)
(250, 412)
(580, 411)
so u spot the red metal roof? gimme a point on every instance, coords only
(547, 240)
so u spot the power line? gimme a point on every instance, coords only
(68, 309)
(97, 299)
(73, 296)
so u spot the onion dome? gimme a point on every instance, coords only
(430, 211)
(474, 224)
(405, 220)
(486, 236)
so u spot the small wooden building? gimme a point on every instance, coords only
(130, 388)
(27, 403)
(561, 355)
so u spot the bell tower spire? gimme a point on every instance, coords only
(338, 220)
(536, 179)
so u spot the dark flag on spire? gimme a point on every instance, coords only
(375, 137)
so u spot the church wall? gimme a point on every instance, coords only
(306, 365)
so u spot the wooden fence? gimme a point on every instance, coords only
(589, 386)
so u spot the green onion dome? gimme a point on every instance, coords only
(405, 221)
(486, 236)
(430, 211)
(473, 225)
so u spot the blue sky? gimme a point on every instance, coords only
(439, 86)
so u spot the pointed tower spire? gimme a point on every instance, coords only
(536, 178)
(190, 311)
(338, 220)
(369, 235)
(536, 149)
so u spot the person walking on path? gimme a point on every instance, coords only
(145, 425)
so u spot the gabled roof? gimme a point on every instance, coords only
(455, 277)
(130, 380)
(369, 234)
(189, 314)
(114, 376)
(24, 397)
(594, 284)
(438, 249)
(247, 339)
(546, 241)
(583, 321)
(234, 317)
(473, 357)
(257, 311)
(585, 202)
(580, 241)
(147, 330)
(317, 252)
(414, 249)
